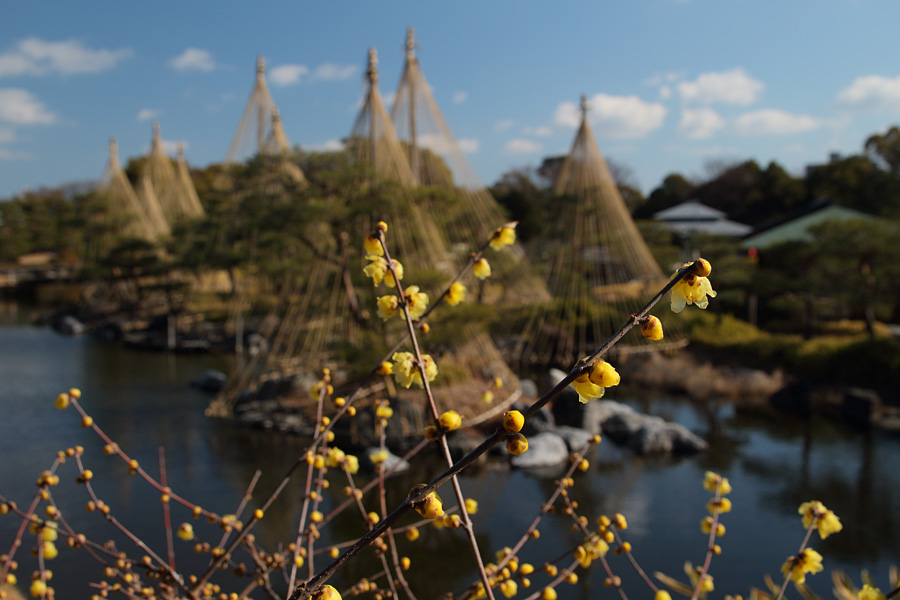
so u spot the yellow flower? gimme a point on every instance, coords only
(591, 385)
(694, 575)
(604, 374)
(691, 289)
(412, 534)
(49, 531)
(713, 480)
(808, 561)
(706, 526)
(351, 464)
(378, 270)
(662, 595)
(456, 294)
(450, 420)
(334, 457)
(471, 506)
(503, 236)
(825, 520)
(387, 306)
(385, 368)
(430, 507)
(652, 329)
(50, 551)
(481, 268)
(373, 246)
(869, 592)
(185, 532)
(587, 389)
(431, 370)
(416, 300)
(487, 397)
(723, 505)
(509, 587)
(406, 372)
(378, 457)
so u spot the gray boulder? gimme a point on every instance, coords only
(574, 437)
(209, 381)
(545, 449)
(646, 434)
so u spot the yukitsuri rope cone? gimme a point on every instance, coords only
(374, 142)
(116, 212)
(176, 196)
(438, 161)
(329, 308)
(598, 265)
(261, 130)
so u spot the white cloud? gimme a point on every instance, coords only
(700, 124)
(617, 117)
(19, 107)
(521, 146)
(331, 71)
(193, 59)
(774, 122)
(665, 92)
(503, 124)
(469, 145)
(460, 97)
(662, 78)
(872, 93)
(33, 56)
(6, 154)
(567, 114)
(729, 87)
(287, 74)
(147, 114)
(538, 131)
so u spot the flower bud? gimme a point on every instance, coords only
(516, 443)
(652, 328)
(513, 421)
(450, 420)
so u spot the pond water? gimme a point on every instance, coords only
(142, 401)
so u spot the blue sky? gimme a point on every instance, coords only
(674, 84)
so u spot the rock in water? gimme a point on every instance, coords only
(545, 449)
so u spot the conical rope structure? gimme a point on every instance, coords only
(328, 317)
(149, 202)
(261, 131)
(116, 212)
(177, 197)
(186, 182)
(599, 267)
(437, 160)
(373, 142)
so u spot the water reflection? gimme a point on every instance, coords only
(142, 400)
